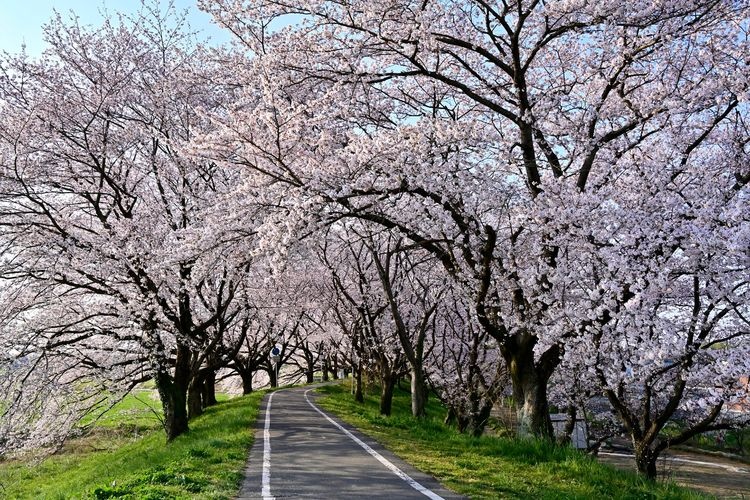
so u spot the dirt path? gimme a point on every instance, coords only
(715, 475)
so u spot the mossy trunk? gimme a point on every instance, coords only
(529, 380)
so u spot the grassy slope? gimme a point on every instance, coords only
(490, 467)
(205, 463)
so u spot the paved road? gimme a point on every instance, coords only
(300, 452)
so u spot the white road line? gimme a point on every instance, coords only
(266, 491)
(380, 458)
(730, 468)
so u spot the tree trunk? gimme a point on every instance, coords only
(387, 385)
(530, 389)
(195, 399)
(247, 382)
(173, 393)
(310, 368)
(533, 413)
(645, 460)
(209, 389)
(358, 396)
(570, 426)
(172, 389)
(462, 423)
(272, 376)
(451, 416)
(418, 392)
(478, 419)
(173, 403)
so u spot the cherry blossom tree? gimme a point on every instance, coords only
(102, 206)
(659, 296)
(358, 295)
(60, 364)
(465, 367)
(413, 293)
(455, 123)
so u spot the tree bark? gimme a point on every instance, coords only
(335, 367)
(387, 385)
(418, 391)
(530, 394)
(570, 426)
(247, 382)
(529, 380)
(533, 410)
(173, 403)
(272, 378)
(209, 389)
(358, 396)
(173, 393)
(195, 399)
(477, 421)
(645, 460)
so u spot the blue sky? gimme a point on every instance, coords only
(21, 20)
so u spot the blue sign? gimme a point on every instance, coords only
(275, 351)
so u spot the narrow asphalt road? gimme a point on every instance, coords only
(301, 452)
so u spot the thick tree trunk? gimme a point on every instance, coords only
(173, 393)
(462, 423)
(309, 369)
(530, 381)
(387, 386)
(645, 460)
(450, 417)
(247, 382)
(173, 402)
(195, 399)
(533, 409)
(418, 392)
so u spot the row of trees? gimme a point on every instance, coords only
(547, 199)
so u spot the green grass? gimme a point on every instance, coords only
(141, 409)
(206, 463)
(490, 467)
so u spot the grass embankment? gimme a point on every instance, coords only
(489, 467)
(126, 457)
